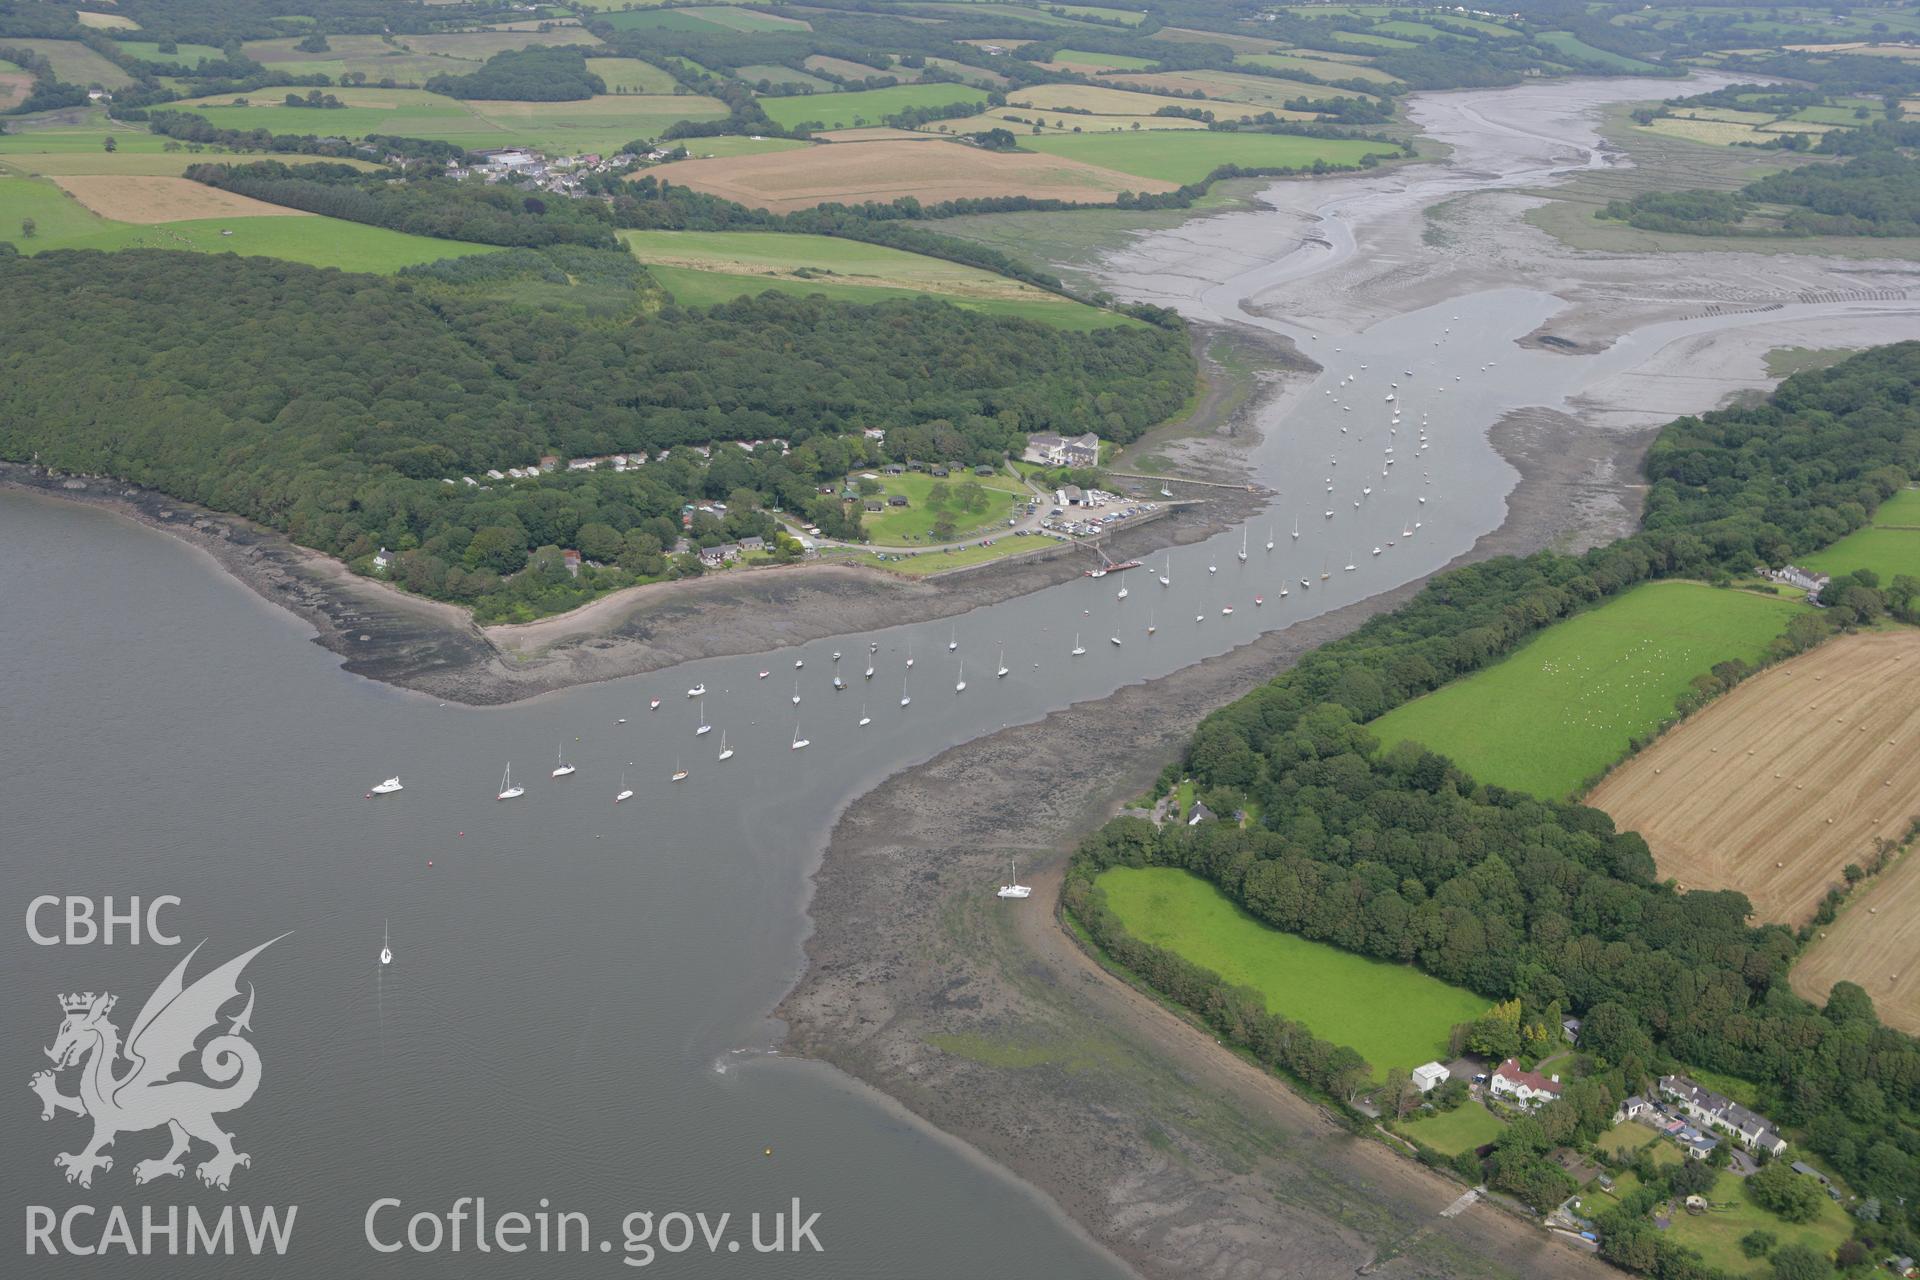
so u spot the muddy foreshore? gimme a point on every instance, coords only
(989, 1022)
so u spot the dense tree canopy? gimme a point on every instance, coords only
(336, 407)
(534, 74)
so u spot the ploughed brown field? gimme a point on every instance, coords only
(1776, 787)
(847, 173)
(126, 198)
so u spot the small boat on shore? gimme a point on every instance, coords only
(1015, 889)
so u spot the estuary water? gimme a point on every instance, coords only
(575, 1016)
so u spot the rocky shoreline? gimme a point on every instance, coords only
(989, 1022)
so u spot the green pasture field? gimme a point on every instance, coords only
(631, 75)
(867, 106)
(62, 222)
(603, 124)
(1367, 40)
(185, 54)
(734, 18)
(1574, 47)
(1111, 61)
(1888, 552)
(1325, 68)
(1716, 1234)
(1188, 157)
(1901, 511)
(73, 62)
(778, 76)
(661, 20)
(1564, 706)
(78, 149)
(1467, 1126)
(1393, 1015)
(905, 526)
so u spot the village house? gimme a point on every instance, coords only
(1526, 1087)
(896, 501)
(1200, 814)
(1714, 1110)
(571, 559)
(752, 545)
(1630, 1109)
(1799, 579)
(1570, 1028)
(1428, 1075)
(381, 559)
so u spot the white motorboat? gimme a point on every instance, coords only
(698, 691)
(1213, 568)
(507, 790)
(387, 788)
(763, 675)
(799, 663)
(1122, 595)
(1114, 640)
(1226, 610)
(654, 705)
(562, 769)
(1376, 551)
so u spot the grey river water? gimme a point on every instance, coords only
(577, 1008)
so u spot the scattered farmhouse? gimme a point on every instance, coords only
(1748, 1128)
(1526, 1087)
(1800, 579)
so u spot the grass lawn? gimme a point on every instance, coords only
(62, 222)
(1885, 551)
(1392, 1014)
(1716, 1235)
(868, 106)
(913, 523)
(1467, 1126)
(1627, 1138)
(73, 62)
(1562, 708)
(1183, 157)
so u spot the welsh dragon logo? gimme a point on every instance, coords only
(138, 1085)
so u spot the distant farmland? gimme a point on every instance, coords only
(870, 106)
(1777, 786)
(1564, 706)
(930, 171)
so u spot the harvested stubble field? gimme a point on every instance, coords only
(884, 171)
(1876, 943)
(147, 200)
(1780, 784)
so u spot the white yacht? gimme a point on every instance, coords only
(865, 719)
(387, 788)
(905, 697)
(704, 728)
(1243, 544)
(1015, 889)
(796, 693)
(953, 640)
(1001, 674)
(679, 772)
(562, 769)
(386, 946)
(626, 792)
(960, 685)
(1078, 648)
(798, 741)
(1122, 594)
(507, 790)
(726, 752)
(1166, 578)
